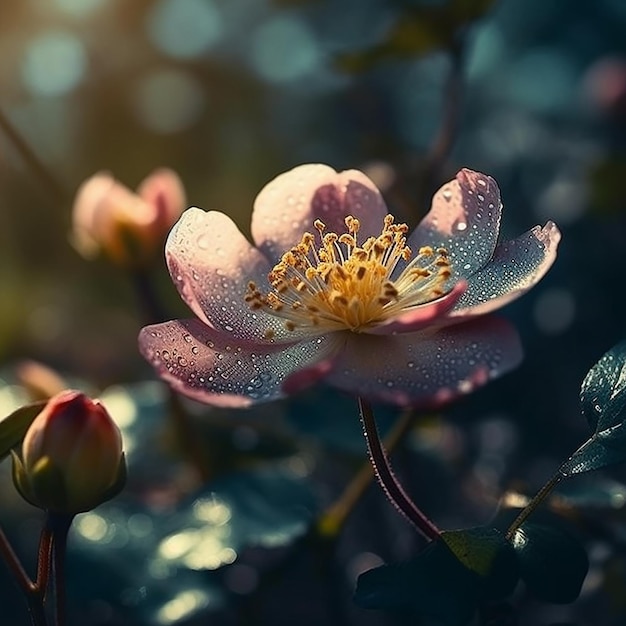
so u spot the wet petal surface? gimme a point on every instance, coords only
(427, 368)
(211, 263)
(464, 219)
(204, 364)
(288, 205)
(517, 265)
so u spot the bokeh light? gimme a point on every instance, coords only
(184, 29)
(168, 100)
(54, 63)
(283, 49)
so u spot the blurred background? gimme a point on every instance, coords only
(230, 93)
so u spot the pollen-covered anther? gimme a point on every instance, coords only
(344, 284)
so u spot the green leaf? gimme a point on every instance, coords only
(603, 392)
(603, 403)
(448, 580)
(486, 552)
(14, 427)
(553, 563)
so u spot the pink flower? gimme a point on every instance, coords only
(128, 227)
(335, 291)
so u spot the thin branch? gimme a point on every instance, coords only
(388, 481)
(31, 159)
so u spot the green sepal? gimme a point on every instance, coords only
(13, 427)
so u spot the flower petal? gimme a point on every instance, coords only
(288, 205)
(164, 190)
(421, 316)
(426, 368)
(206, 365)
(516, 266)
(211, 263)
(464, 219)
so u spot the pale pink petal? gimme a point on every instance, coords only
(164, 190)
(209, 366)
(101, 205)
(421, 316)
(464, 219)
(211, 263)
(516, 266)
(288, 205)
(427, 368)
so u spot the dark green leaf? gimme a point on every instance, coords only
(603, 392)
(448, 580)
(14, 427)
(603, 403)
(553, 563)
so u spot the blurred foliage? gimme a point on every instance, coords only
(420, 30)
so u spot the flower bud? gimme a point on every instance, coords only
(129, 228)
(72, 457)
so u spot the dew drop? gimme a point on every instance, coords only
(203, 242)
(411, 364)
(187, 337)
(182, 361)
(461, 226)
(447, 195)
(194, 349)
(166, 355)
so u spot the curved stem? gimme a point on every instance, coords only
(388, 481)
(32, 591)
(15, 565)
(334, 517)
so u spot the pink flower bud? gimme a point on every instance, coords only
(128, 227)
(72, 457)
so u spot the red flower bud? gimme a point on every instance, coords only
(72, 457)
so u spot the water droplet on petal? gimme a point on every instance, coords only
(447, 195)
(182, 361)
(187, 337)
(166, 355)
(194, 349)
(203, 242)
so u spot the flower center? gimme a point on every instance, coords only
(346, 285)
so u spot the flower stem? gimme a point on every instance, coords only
(149, 302)
(333, 518)
(386, 477)
(43, 560)
(59, 526)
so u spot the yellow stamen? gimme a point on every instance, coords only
(346, 286)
